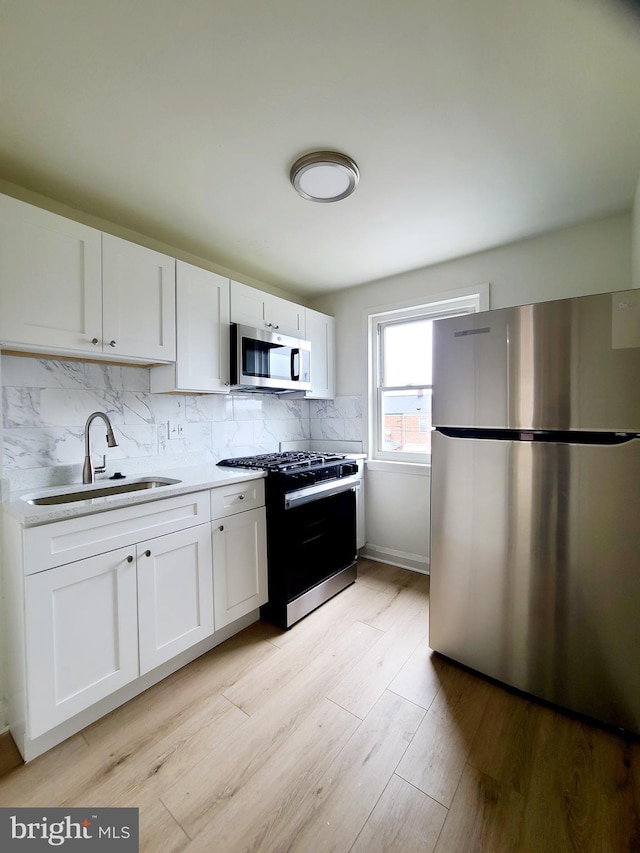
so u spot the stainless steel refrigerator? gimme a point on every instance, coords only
(535, 500)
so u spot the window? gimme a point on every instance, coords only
(401, 386)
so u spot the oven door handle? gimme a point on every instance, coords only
(319, 491)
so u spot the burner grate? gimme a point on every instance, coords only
(285, 461)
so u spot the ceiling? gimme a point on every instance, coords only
(473, 122)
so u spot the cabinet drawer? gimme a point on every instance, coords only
(66, 541)
(227, 500)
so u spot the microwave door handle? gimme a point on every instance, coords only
(295, 374)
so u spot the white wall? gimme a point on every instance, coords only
(591, 258)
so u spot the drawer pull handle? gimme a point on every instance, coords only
(129, 559)
(241, 497)
(147, 553)
(221, 528)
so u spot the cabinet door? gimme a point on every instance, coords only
(175, 594)
(285, 316)
(320, 330)
(139, 293)
(81, 636)
(50, 280)
(253, 307)
(247, 305)
(239, 565)
(202, 325)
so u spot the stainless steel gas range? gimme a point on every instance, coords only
(311, 529)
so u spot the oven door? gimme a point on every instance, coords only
(311, 540)
(322, 540)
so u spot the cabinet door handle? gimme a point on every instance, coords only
(221, 528)
(112, 343)
(95, 341)
(129, 559)
(241, 497)
(147, 553)
(275, 325)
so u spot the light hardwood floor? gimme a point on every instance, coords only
(346, 734)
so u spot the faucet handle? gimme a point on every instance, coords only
(100, 469)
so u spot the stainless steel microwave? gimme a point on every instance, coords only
(264, 360)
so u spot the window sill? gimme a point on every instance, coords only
(420, 469)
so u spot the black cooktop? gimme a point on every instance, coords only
(290, 460)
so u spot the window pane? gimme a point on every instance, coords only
(407, 353)
(406, 421)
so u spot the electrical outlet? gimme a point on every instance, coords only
(176, 429)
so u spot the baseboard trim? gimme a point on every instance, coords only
(402, 559)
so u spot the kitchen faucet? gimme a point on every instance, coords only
(88, 471)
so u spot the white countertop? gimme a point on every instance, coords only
(193, 478)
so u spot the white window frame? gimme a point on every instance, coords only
(462, 301)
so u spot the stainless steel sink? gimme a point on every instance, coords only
(88, 493)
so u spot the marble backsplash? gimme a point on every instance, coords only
(45, 404)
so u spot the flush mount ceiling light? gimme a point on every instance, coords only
(324, 176)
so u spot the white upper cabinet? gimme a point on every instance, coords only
(68, 289)
(138, 297)
(50, 279)
(253, 307)
(320, 331)
(202, 326)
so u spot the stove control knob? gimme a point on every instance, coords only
(348, 468)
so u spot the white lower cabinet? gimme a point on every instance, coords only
(96, 624)
(240, 565)
(175, 594)
(121, 598)
(81, 636)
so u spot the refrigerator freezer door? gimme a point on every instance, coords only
(535, 569)
(569, 364)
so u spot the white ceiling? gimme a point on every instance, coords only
(473, 123)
